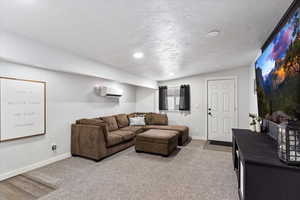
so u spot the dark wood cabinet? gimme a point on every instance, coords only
(260, 173)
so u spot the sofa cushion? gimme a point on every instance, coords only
(113, 139)
(157, 119)
(126, 135)
(157, 136)
(136, 114)
(111, 122)
(135, 129)
(122, 120)
(94, 121)
(169, 127)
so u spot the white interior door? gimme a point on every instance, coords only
(221, 109)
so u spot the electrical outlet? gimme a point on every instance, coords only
(54, 147)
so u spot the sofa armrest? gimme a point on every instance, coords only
(88, 141)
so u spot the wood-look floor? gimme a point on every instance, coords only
(23, 188)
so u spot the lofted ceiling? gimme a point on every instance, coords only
(172, 34)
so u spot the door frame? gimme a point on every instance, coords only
(235, 78)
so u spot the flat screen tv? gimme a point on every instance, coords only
(278, 71)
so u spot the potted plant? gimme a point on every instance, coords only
(255, 122)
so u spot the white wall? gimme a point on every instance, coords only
(69, 97)
(147, 100)
(196, 119)
(19, 49)
(253, 107)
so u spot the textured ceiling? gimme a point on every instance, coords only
(171, 33)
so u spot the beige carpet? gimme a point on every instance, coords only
(190, 173)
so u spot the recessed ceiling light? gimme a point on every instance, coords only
(171, 74)
(138, 55)
(28, 1)
(213, 33)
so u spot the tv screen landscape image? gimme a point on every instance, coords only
(278, 74)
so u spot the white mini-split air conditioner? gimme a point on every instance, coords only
(110, 92)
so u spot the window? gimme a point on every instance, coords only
(173, 98)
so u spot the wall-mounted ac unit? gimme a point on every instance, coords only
(110, 92)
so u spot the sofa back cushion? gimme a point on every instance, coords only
(136, 114)
(111, 122)
(122, 120)
(157, 119)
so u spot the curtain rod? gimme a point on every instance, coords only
(173, 86)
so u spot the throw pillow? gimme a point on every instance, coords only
(137, 121)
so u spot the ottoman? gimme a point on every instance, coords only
(162, 142)
(183, 131)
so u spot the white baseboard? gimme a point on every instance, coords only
(197, 138)
(34, 166)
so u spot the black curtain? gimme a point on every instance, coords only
(163, 98)
(184, 102)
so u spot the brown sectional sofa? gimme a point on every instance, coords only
(100, 137)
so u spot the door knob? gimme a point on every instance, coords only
(209, 109)
(209, 113)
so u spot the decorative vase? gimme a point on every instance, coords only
(258, 127)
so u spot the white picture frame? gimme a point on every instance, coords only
(23, 108)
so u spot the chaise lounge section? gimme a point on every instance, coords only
(100, 137)
(160, 121)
